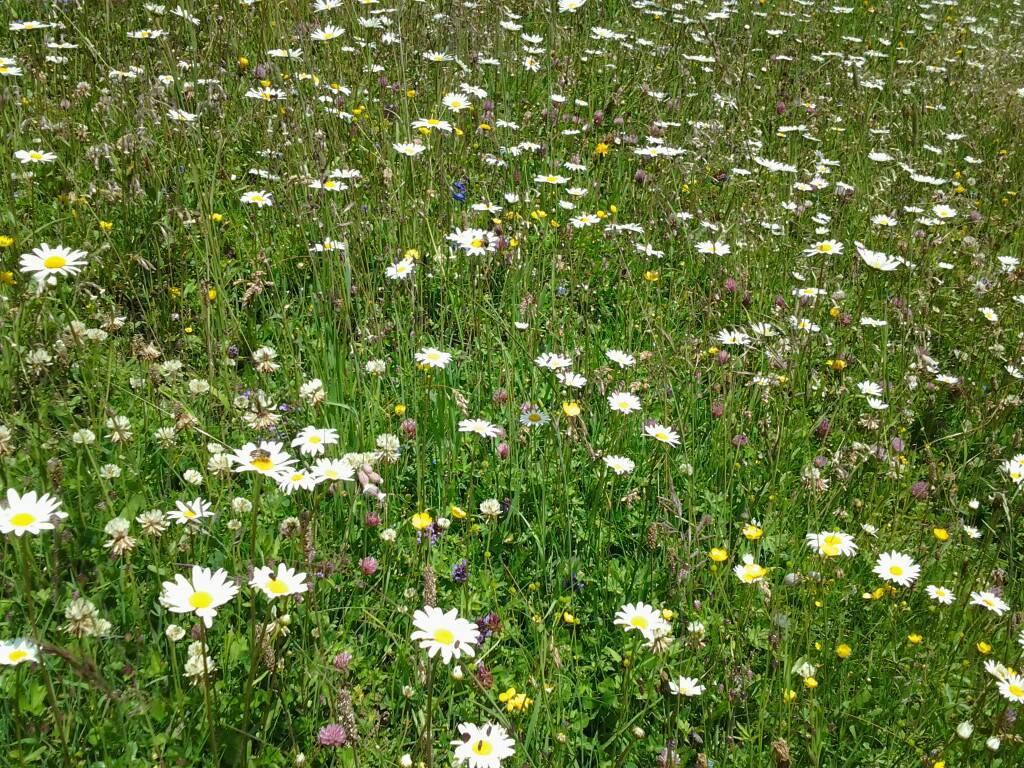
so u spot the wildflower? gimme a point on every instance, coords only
(991, 601)
(515, 701)
(662, 434)
(832, 543)
(445, 633)
(685, 686)
(940, 595)
(47, 262)
(285, 582)
(260, 198)
(189, 511)
(750, 572)
(898, 568)
(312, 441)
(620, 465)
(641, 617)
(202, 594)
(14, 652)
(624, 402)
(483, 746)
(267, 458)
(718, 555)
(429, 357)
(480, 427)
(29, 513)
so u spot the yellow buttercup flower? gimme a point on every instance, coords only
(718, 555)
(571, 409)
(752, 532)
(421, 520)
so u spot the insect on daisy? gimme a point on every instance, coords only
(267, 458)
(445, 633)
(483, 746)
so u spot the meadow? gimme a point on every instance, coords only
(585, 384)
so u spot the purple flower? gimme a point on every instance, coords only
(368, 565)
(333, 735)
(460, 571)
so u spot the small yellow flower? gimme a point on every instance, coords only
(211, 294)
(174, 291)
(836, 365)
(718, 555)
(216, 218)
(242, 62)
(651, 275)
(568, 618)
(106, 226)
(399, 409)
(789, 695)
(571, 409)
(484, 127)
(834, 312)
(421, 520)
(983, 648)
(668, 614)
(752, 532)
(810, 683)
(843, 651)
(914, 639)
(7, 278)
(411, 93)
(941, 534)
(6, 241)
(601, 149)
(265, 83)
(456, 511)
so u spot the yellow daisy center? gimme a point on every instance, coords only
(18, 655)
(314, 439)
(482, 747)
(277, 586)
(199, 600)
(54, 262)
(639, 622)
(1016, 690)
(263, 465)
(444, 636)
(23, 519)
(896, 570)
